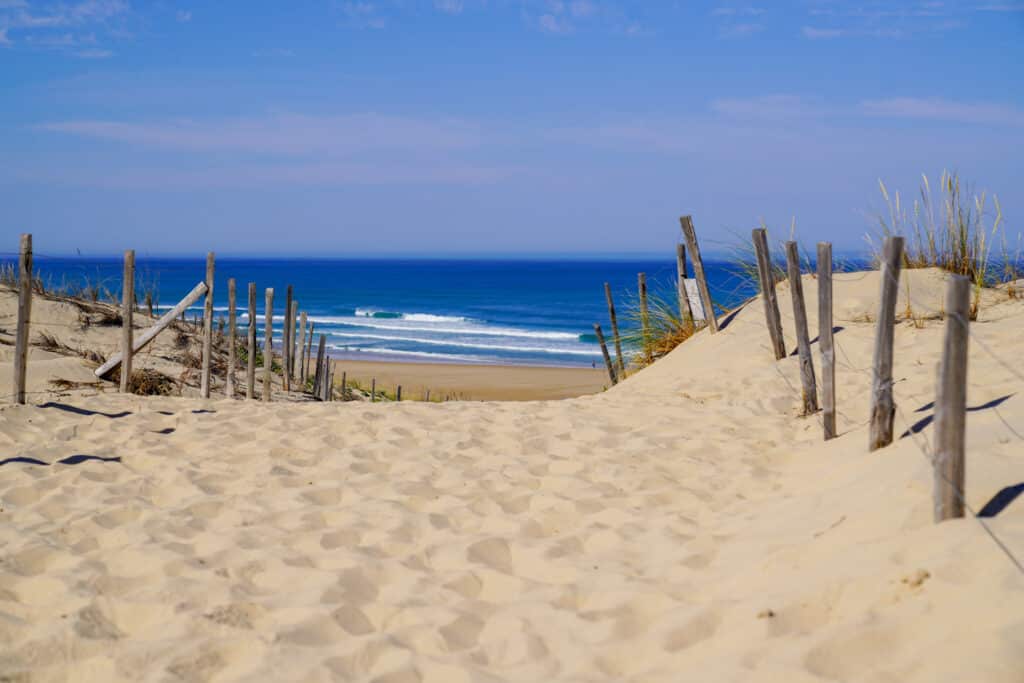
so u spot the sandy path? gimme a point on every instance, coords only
(684, 525)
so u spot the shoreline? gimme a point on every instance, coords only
(469, 381)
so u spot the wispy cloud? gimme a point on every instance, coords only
(768, 107)
(60, 25)
(738, 22)
(290, 134)
(363, 15)
(449, 6)
(183, 16)
(740, 30)
(937, 109)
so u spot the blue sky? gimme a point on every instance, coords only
(499, 127)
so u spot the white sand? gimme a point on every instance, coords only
(686, 525)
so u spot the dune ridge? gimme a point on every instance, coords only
(685, 524)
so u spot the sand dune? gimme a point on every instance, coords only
(684, 525)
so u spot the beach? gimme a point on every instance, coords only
(475, 382)
(686, 524)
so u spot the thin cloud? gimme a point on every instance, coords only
(449, 6)
(936, 109)
(740, 30)
(290, 134)
(183, 16)
(363, 15)
(768, 107)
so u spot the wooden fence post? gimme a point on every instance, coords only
(24, 315)
(645, 316)
(685, 311)
(127, 314)
(803, 341)
(302, 351)
(268, 346)
(329, 384)
(825, 341)
(250, 368)
(286, 342)
(373, 390)
(319, 378)
(698, 270)
(883, 408)
(309, 349)
(229, 381)
(344, 385)
(204, 380)
(615, 330)
(292, 333)
(398, 393)
(140, 342)
(771, 302)
(951, 404)
(604, 352)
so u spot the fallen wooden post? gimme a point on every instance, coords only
(771, 302)
(302, 351)
(825, 340)
(951, 404)
(615, 330)
(204, 380)
(604, 352)
(229, 380)
(883, 408)
(127, 314)
(685, 311)
(24, 314)
(250, 366)
(803, 341)
(686, 222)
(268, 345)
(146, 337)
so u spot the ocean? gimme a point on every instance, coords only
(516, 312)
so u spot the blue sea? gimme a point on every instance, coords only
(518, 312)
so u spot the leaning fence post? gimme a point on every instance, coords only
(229, 381)
(250, 369)
(604, 352)
(204, 380)
(302, 351)
(645, 316)
(127, 313)
(771, 302)
(698, 270)
(24, 314)
(803, 341)
(883, 408)
(685, 312)
(268, 345)
(825, 341)
(615, 330)
(951, 404)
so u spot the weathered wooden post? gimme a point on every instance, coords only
(250, 368)
(615, 330)
(686, 222)
(604, 352)
(292, 333)
(329, 384)
(204, 380)
(149, 304)
(373, 390)
(286, 342)
(229, 381)
(140, 342)
(302, 351)
(645, 316)
(24, 315)
(803, 341)
(344, 385)
(825, 341)
(398, 393)
(268, 346)
(951, 404)
(127, 314)
(685, 312)
(883, 408)
(319, 378)
(309, 349)
(771, 302)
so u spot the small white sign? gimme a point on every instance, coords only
(695, 304)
